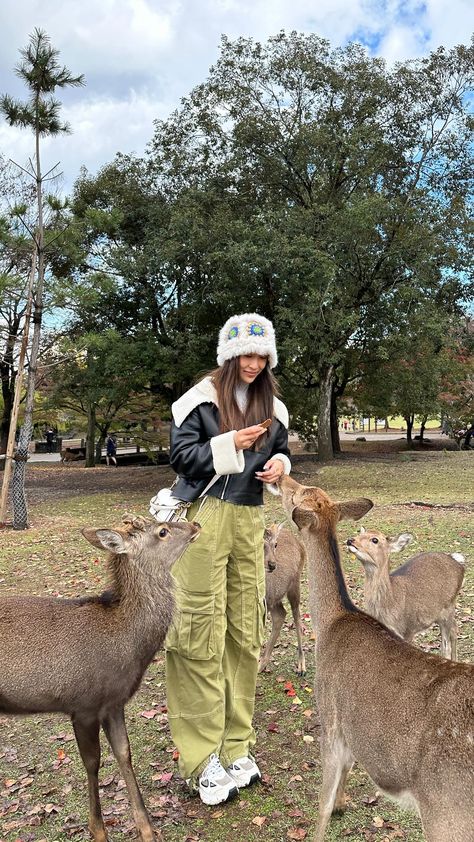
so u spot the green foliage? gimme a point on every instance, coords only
(317, 186)
(42, 74)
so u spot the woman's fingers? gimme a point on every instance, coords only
(248, 436)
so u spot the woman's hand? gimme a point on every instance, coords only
(272, 471)
(246, 437)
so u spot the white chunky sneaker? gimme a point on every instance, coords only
(215, 785)
(244, 771)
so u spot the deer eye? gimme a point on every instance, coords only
(163, 532)
(374, 540)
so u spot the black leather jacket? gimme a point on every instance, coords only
(192, 458)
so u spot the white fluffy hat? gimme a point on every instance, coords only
(247, 334)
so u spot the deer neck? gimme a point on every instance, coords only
(145, 600)
(377, 585)
(328, 596)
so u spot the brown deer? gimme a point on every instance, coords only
(284, 562)
(86, 657)
(68, 455)
(417, 594)
(406, 716)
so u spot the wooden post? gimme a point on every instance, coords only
(16, 400)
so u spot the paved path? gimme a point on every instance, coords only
(390, 435)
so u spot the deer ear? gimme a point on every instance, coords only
(106, 539)
(354, 509)
(303, 516)
(397, 544)
(362, 530)
(280, 526)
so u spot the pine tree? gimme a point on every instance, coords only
(41, 72)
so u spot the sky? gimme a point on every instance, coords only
(140, 57)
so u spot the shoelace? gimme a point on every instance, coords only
(214, 767)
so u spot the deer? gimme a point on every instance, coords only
(284, 558)
(405, 715)
(68, 455)
(417, 594)
(85, 657)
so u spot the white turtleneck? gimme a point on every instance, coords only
(241, 395)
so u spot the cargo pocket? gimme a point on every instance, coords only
(192, 633)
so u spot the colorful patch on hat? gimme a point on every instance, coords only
(254, 329)
(233, 332)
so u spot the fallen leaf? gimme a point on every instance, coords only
(297, 833)
(148, 714)
(259, 820)
(308, 738)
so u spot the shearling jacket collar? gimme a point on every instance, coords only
(204, 392)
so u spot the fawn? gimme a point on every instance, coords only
(417, 594)
(284, 562)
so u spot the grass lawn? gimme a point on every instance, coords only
(43, 793)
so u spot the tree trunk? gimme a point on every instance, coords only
(19, 503)
(325, 444)
(422, 428)
(20, 510)
(90, 436)
(409, 422)
(98, 449)
(336, 442)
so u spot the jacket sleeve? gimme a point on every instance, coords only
(194, 458)
(280, 449)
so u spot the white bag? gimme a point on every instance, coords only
(164, 506)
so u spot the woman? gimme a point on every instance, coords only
(213, 647)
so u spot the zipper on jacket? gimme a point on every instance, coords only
(225, 486)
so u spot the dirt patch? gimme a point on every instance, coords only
(43, 483)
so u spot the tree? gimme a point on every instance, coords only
(15, 271)
(348, 183)
(102, 379)
(42, 74)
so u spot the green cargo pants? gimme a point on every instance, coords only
(213, 645)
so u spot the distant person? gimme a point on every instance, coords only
(49, 436)
(111, 450)
(345, 426)
(468, 436)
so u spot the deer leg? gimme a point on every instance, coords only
(116, 732)
(87, 737)
(446, 821)
(337, 763)
(278, 618)
(294, 600)
(448, 629)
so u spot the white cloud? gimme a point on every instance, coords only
(140, 56)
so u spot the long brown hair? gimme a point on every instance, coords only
(259, 403)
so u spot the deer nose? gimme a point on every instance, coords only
(196, 524)
(271, 566)
(349, 542)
